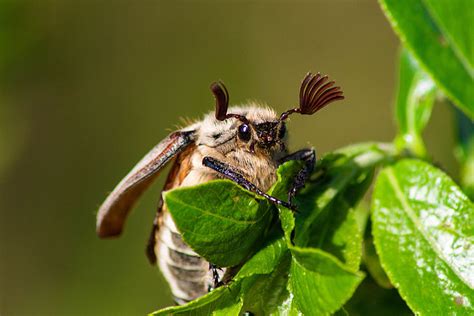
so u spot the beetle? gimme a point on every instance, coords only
(244, 144)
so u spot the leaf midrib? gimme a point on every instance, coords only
(236, 221)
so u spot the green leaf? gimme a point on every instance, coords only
(319, 282)
(415, 99)
(268, 294)
(310, 282)
(326, 218)
(440, 34)
(336, 230)
(221, 221)
(373, 265)
(370, 257)
(455, 20)
(264, 261)
(423, 228)
(221, 301)
(362, 214)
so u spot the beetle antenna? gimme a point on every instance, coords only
(222, 102)
(315, 94)
(222, 99)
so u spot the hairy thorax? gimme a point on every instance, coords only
(258, 168)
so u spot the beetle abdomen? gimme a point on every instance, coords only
(187, 273)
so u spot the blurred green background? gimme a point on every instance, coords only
(88, 87)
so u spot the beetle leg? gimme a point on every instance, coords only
(228, 172)
(308, 156)
(215, 276)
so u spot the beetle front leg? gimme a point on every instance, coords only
(308, 156)
(231, 174)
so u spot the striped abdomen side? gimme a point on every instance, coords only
(188, 274)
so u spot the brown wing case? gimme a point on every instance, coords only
(114, 210)
(179, 170)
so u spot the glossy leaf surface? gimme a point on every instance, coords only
(319, 282)
(423, 231)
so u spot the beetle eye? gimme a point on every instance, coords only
(244, 132)
(282, 131)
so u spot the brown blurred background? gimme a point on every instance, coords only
(87, 87)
